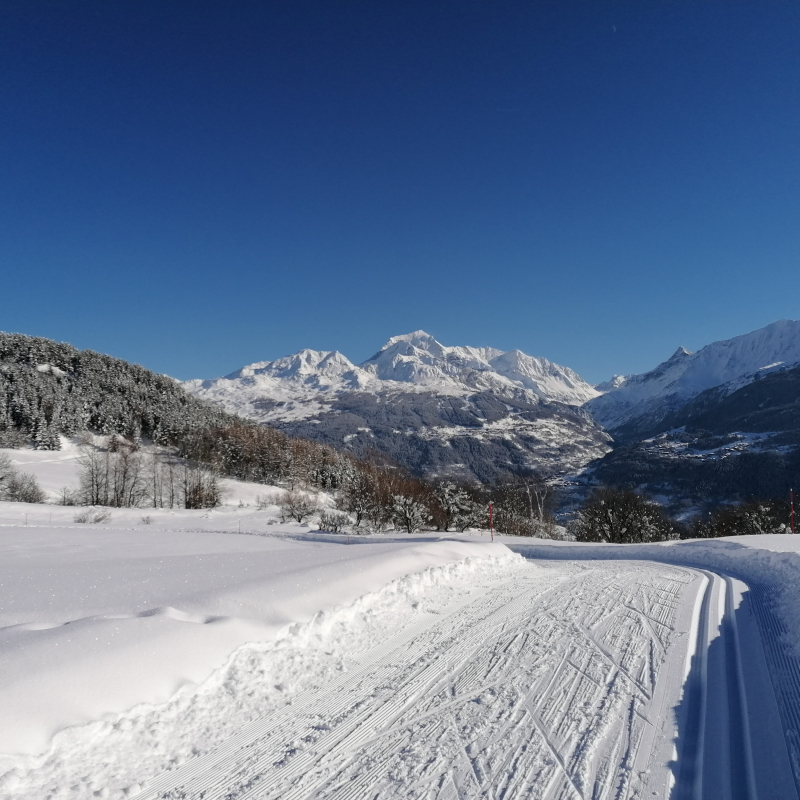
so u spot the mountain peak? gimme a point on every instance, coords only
(303, 363)
(419, 339)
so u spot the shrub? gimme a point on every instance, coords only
(18, 487)
(93, 516)
(621, 517)
(334, 521)
(754, 517)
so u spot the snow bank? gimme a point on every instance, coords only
(275, 586)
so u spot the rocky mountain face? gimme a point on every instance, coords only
(465, 412)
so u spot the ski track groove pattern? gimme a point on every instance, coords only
(784, 669)
(535, 688)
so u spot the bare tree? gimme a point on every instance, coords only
(522, 506)
(297, 506)
(93, 477)
(112, 477)
(127, 481)
(162, 474)
(201, 487)
(357, 496)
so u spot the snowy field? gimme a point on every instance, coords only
(223, 654)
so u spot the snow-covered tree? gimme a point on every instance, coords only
(751, 518)
(455, 507)
(409, 513)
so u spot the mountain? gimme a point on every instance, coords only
(417, 358)
(462, 411)
(636, 405)
(708, 427)
(297, 386)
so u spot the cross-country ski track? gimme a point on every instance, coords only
(592, 679)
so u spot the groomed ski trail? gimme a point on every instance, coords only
(537, 688)
(731, 743)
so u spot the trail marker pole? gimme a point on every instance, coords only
(491, 527)
(791, 507)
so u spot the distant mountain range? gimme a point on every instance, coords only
(465, 412)
(478, 413)
(719, 424)
(299, 384)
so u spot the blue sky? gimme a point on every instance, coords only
(195, 186)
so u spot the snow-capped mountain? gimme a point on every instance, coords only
(419, 359)
(637, 403)
(435, 408)
(296, 387)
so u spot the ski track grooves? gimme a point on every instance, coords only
(728, 698)
(560, 685)
(544, 686)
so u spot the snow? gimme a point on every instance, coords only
(528, 686)
(771, 560)
(732, 362)
(178, 657)
(53, 469)
(301, 385)
(98, 621)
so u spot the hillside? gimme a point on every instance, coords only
(49, 388)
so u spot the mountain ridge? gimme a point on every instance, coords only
(635, 404)
(413, 362)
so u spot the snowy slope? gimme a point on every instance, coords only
(640, 401)
(98, 619)
(300, 385)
